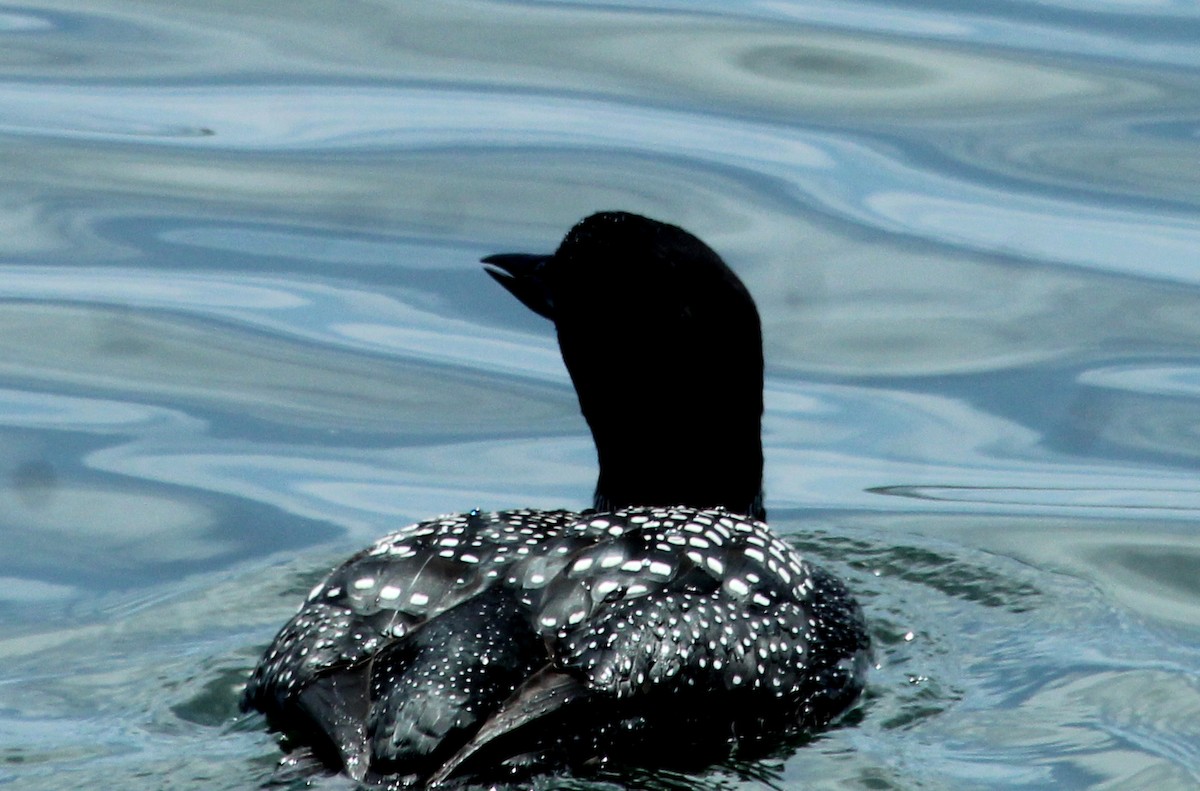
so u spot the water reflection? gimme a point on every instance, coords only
(170, 357)
(243, 331)
(861, 181)
(34, 483)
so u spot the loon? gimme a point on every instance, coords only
(667, 624)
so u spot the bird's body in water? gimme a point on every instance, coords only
(666, 625)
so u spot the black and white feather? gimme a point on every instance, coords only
(642, 606)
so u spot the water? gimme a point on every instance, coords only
(243, 332)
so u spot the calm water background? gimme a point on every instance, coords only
(243, 332)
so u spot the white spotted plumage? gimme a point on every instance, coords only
(617, 598)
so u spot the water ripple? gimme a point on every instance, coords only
(858, 181)
(1049, 497)
(288, 308)
(242, 332)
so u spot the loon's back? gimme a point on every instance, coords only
(553, 638)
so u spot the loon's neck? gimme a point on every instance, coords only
(681, 458)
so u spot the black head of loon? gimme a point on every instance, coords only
(664, 347)
(669, 626)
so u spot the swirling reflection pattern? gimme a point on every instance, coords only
(242, 331)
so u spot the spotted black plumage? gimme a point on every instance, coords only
(666, 623)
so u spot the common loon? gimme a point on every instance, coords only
(667, 624)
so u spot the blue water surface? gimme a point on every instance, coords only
(243, 331)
